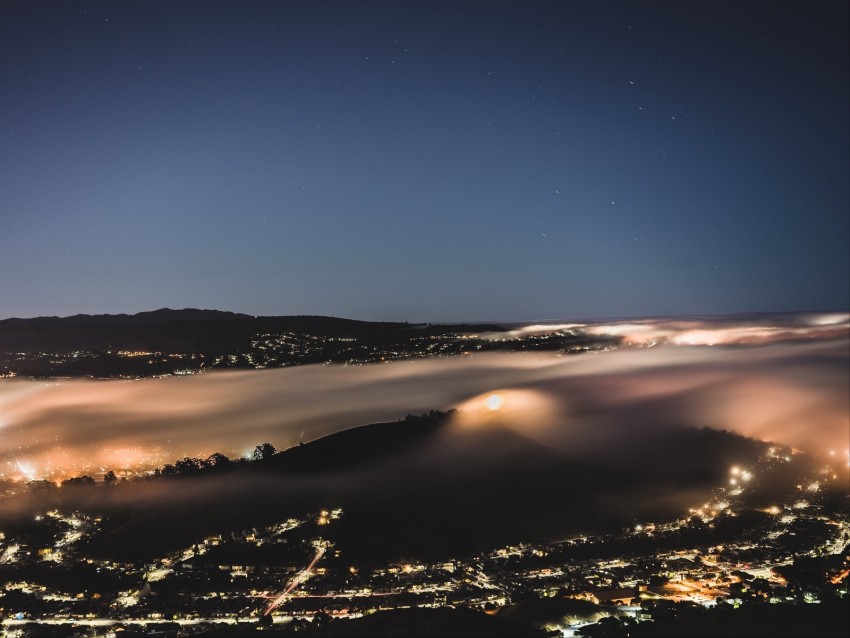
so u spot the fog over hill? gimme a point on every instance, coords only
(793, 390)
(426, 486)
(540, 444)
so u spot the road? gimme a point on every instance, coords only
(299, 578)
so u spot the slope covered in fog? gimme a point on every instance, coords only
(791, 392)
(427, 487)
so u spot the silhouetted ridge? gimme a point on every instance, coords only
(163, 315)
(212, 332)
(357, 447)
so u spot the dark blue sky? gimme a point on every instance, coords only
(424, 161)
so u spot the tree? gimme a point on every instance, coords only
(78, 481)
(41, 486)
(264, 451)
(168, 470)
(109, 478)
(217, 460)
(189, 465)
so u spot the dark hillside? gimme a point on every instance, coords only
(424, 487)
(189, 330)
(360, 447)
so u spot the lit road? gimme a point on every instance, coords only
(297, 580)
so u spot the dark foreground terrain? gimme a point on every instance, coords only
(418, 527)
(426, 487)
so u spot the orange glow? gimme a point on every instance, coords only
(791, 393)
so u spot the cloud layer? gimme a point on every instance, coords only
(793, 392)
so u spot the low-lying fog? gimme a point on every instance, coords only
(793, 392)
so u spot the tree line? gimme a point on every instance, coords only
(188, 466)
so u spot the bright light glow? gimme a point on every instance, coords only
(528, 411)
(494, 402)
(27, 470)
(701, 333)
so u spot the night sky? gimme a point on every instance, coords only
(424, 161)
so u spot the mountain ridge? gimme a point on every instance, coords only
(165, 341)
(162, 315)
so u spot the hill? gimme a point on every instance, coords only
(426, 487)
(165, 342)
(187, 330)
(359, 447)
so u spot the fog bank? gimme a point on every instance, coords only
(791, 392)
